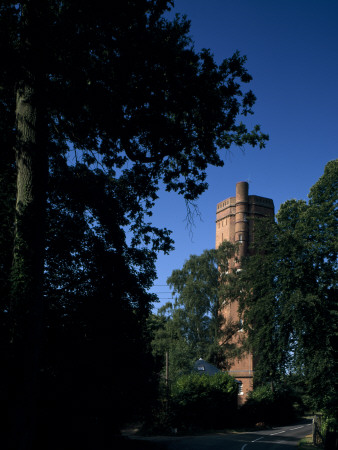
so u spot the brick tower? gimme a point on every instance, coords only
(234, 222)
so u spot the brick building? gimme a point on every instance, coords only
(235, 217)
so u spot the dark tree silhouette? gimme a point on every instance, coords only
(110, 98)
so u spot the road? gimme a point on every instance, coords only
(281, 438)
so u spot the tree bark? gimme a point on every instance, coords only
(28, 262)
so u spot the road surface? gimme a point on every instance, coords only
(281, 438)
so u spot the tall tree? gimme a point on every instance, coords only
(310, 286)
(191, 326)
(110, 98)
(287, 292)
(196, 300)
(255, 289)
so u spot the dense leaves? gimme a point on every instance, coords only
(196, 301)
(269, 406)
(101, 101)
(191, 326)
(287, 293)
(205, 401)
(187, 328)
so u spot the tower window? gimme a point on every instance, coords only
(240, 388)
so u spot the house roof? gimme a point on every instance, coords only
(203, 367)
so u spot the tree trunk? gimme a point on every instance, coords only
(28, 261)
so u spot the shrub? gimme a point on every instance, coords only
(204, 401)
(268, 406)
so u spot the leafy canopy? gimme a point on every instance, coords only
(121, 102)
(125, 102)
(191, 326)
(287, 293)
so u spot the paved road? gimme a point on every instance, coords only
(281, 438)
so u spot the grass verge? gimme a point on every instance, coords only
(306, 443)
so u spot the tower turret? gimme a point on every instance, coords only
(241, 217)
(235, 217)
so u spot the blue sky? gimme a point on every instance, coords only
(292, 51)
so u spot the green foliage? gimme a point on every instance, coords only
(195, 310)
(122, 103)
(262, 394)
(204, 401)
(329, 423)
(191, 327)
(267, 405)
(287, 293)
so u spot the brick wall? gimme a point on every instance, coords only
(235, 217)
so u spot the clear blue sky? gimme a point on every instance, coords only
(292, 51)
